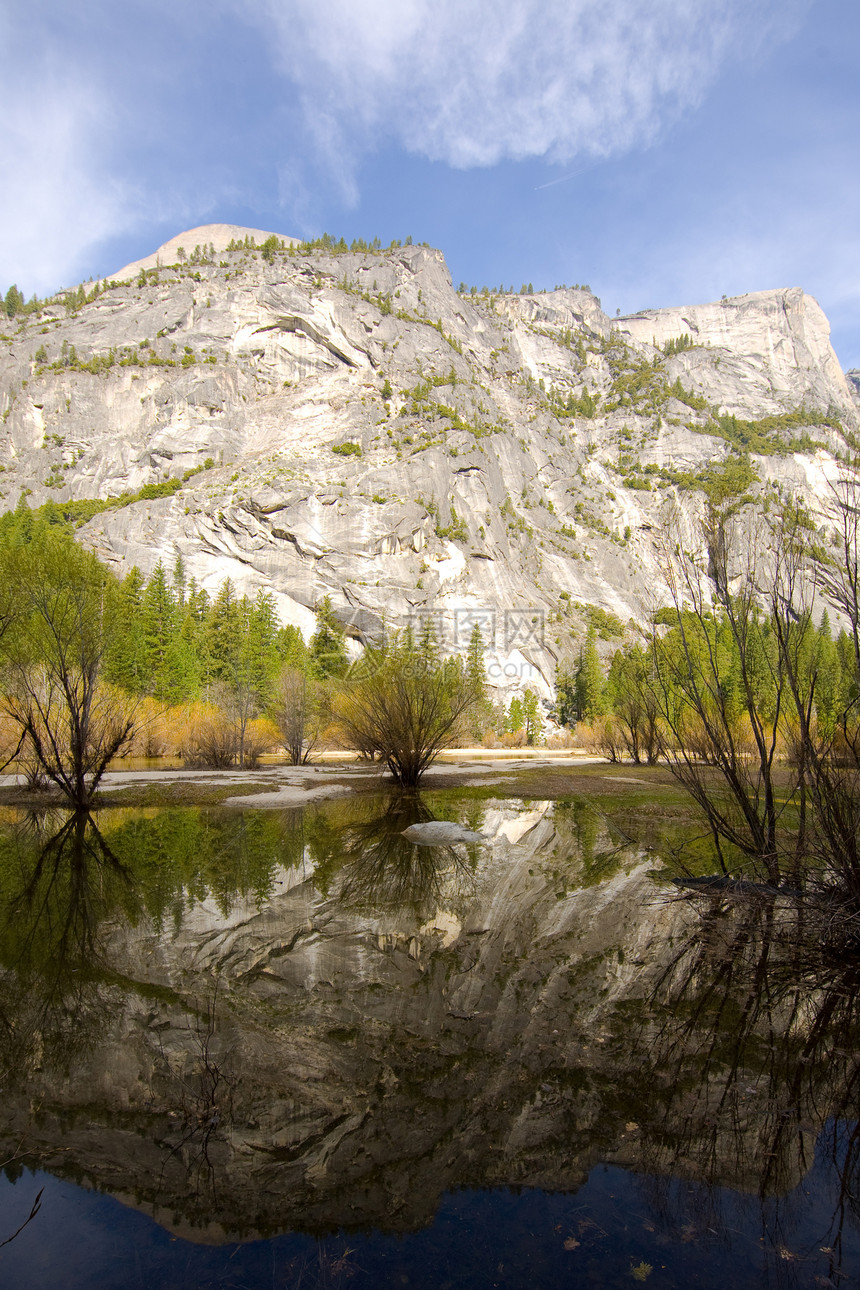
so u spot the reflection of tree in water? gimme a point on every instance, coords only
(62, 895)
(591, 837)
(200, 1092)
(183, 855)
(378, 869)
(757, 1045)
(58, 891)
(64, 886)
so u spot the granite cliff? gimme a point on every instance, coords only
(358, 428)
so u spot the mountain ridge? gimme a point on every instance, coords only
(219, 236)
(378, 437)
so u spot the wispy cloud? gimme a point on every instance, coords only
(86, 132)
(59, 197)
(118, 117)
(474, 84)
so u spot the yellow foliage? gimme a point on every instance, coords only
(152, 736)
(586, 737)
(207, 736)
(261, 736)
(563, 738)
(513, 739)
(9, 736)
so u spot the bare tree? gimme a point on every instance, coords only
(297, 711)
(240, 703)
(838, 569)
(403, 703)
(74, 723)
(722, 685)
(830, 757)
(209, 739)
(634, 704)
(742, 678)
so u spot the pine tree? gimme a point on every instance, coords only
(158, 624)
(565, 695)
(180, 679)
(515, 716)
(179, 578)
(13, 302)
(590, 685)
(427, 645)
(195, 628)
(831, 697)
(291, 648)
(220, 630)
(264, 656)
(249, 662)
(481, 715)
(23, 524)
(126, 662)
(532, 722)
(328, 656)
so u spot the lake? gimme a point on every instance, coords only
(294, 1048)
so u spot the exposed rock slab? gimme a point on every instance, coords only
(362, 430)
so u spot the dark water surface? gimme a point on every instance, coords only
(282, 1049)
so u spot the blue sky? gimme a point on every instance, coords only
(663, 151)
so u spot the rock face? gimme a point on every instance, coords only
(440, 833)
(774, 346)
(373, 435)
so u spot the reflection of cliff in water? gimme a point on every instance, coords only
(294, 1021)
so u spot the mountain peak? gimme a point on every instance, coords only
(219, 235)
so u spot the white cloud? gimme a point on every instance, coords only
(474, 83)
(59, 198)
(99, 102)
(74, 116)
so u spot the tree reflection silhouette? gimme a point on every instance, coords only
(754, 1043)
(382, 870)
(720, 1073)
(66, 892)
(60, 891)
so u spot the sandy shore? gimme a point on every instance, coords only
(278, 785)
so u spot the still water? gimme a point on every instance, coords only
(283, 1049)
